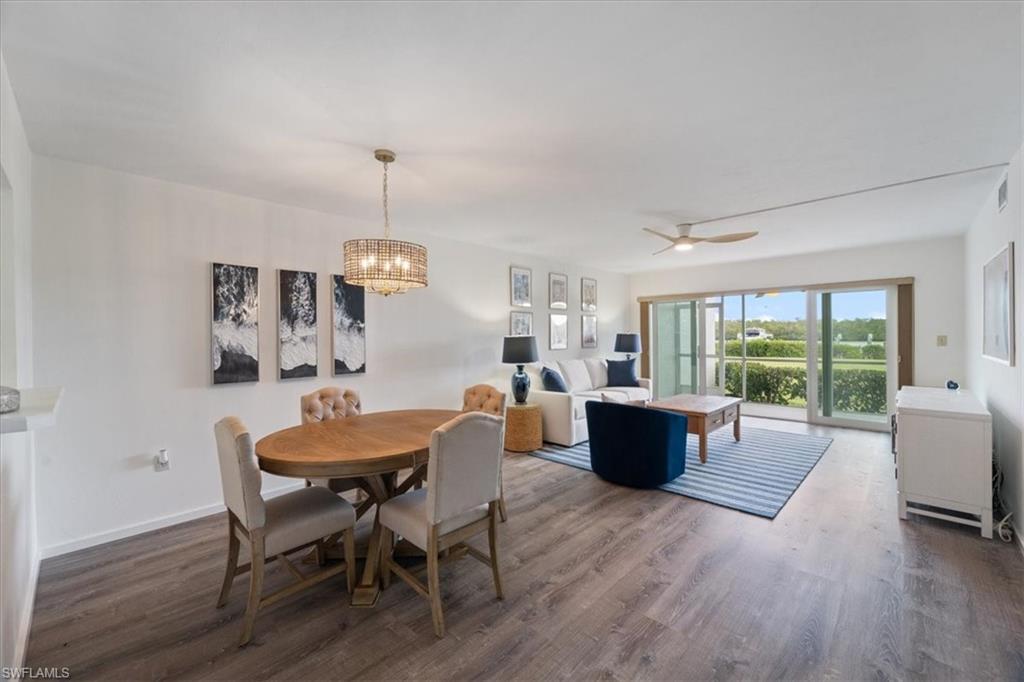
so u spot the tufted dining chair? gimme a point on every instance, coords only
(326, 404)
(459, 502)
(486, 398)
(310, 517)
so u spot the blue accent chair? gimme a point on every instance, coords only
(636, 446)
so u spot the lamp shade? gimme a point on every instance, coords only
(519, 350)
(627, 343)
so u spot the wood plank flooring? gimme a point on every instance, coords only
(601, 582)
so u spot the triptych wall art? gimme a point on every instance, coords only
(235, 325)
(520, 322)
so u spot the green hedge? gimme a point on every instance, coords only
(854, 390)
(779, 348)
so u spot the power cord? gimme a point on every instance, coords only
(1002, 528)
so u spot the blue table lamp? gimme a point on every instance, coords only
(628, 344)
(519, 350)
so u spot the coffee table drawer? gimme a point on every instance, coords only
(730, 414)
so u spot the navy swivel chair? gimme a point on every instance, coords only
(636, 446)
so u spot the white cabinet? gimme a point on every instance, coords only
(944, 456)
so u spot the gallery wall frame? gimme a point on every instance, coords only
(297, 346)
(234, 323)
(348, 327)
(520, 286)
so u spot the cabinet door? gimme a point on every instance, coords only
(943, 458)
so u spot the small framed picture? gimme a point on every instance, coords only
(997, 312)
(521, 286)
(520, 323)
(588, 295)
(588, 331)
(558, 291)
(558, 331)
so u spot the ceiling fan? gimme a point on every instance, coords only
(684, 241)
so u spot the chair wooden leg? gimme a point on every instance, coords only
(434, 582)
(232, 567)
(349, 539)
(255, 585)
(501, 507)
(492, 540)
(387, 550)
(321, 553)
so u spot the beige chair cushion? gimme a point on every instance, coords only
(295, 518)
(407, 516)
(240, 476)
(598, 370)
(575, 372)
(484, 398)
(330, 403)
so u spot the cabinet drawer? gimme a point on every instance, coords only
(730, 414)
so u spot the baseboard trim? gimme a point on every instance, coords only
(153, 524)
(25, 618)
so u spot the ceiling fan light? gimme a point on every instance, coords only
(683, 247)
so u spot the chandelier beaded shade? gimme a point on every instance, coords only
(385, 266)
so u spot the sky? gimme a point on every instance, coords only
(792, 305)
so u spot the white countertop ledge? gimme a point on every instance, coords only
(38, 410)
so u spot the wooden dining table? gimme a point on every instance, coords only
(370, 449)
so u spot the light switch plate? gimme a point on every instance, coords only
(941, 340)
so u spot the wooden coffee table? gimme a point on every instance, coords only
(705, 414)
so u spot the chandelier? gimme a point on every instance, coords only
(385, 266)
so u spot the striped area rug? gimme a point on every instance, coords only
(758, 475)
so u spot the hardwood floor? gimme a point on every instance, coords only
(600, 582)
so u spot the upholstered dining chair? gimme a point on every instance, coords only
(459, 502)
(323, 405)
(310, 517)
(488, 399)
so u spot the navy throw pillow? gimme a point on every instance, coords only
(622, 373)
(553, 381)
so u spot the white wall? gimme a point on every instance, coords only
(122, 307)
(18, 547)
(936, 266)
(998, 385)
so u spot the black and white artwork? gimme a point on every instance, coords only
(588, 294)
(588, 331)
(998, 322)
(558, 291)
(349, 328)
(236, 310)
(521, 286)
(296, 324)
(558, 332)
(520, 323)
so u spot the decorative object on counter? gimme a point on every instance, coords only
(296, 324)
(518, 351)
(588, 331)
(385, 266)
(520, 286)
(520, 323)
(952, 385)
(588, 295)
(10, 399)
(348, 327)
(628, 344)
(558, 291)
(236, 311)
(558, 331)
(997, 343)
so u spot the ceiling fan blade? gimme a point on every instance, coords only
(726, 238)
(667, 248)
(661, 234)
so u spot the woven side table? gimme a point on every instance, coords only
(523, 428)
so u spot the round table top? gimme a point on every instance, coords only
(378, 442)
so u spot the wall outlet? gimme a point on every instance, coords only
(941, 341)
(162, 461)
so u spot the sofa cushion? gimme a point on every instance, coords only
(631, 392)
(553, 381)
(598, 370)
(576, 374)
(612, 397)
(622, 373)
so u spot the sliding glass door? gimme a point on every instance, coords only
(854, 366)
(676, 367)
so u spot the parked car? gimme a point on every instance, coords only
(755, 333)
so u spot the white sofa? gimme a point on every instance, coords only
(565, 414)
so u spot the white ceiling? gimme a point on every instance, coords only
(559, 129)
